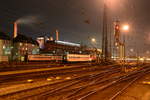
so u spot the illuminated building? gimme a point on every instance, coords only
(23, 46)
(41, 41)
(5, 47)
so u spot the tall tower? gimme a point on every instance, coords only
(105, 34)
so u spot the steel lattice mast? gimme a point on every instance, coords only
(105, 34)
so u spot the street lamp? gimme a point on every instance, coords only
(93, 40)
(126, 28)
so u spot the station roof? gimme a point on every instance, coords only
(63, 43)
(68, 43)
(4, 36)
(24, 39)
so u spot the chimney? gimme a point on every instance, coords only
(15, 30)
(57, 35)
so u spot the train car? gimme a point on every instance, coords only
(77, 58)
(93, 57)
(44, 58)
(64, 58)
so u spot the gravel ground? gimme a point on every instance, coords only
(140, 90)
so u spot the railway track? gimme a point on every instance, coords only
(57, 72)
(34, 65)
(89, 81)
(81, 87)
(131, 77)
(66, 84)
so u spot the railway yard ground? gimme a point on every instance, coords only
(82, 81)
(139, 90)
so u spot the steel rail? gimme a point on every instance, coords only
(88, 93)
(88, 76)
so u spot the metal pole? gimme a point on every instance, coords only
(124, 49)
(110, 44)
(124, 56)
(104, 35)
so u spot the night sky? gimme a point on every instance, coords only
(77, 20)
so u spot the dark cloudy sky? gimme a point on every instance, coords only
(40, 17)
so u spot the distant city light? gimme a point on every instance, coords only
(93, 40)
(131, 50)
(4, 46)
(147, 52)
(141, 59)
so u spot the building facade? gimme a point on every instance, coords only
(5, 47)
(23, 46)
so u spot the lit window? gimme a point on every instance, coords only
(4, 46)
(20, 44)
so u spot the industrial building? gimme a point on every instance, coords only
(58, 47)
(19, 47)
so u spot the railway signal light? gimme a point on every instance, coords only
(117, 32)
